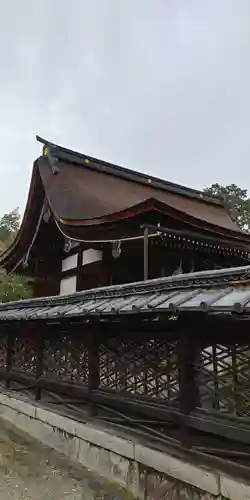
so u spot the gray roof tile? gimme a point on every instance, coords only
(226, 290)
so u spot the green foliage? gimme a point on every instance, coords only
(9, 225)
(14, 287)
(236, 200)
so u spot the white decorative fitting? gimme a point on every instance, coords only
(90, 256)
(69, 244)
(47, 215)
(68, 285)
(116, 249)
(69, 262)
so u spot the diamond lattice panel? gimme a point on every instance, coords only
(147, 368)
(24, 354)
(224, 378)
(66, 358)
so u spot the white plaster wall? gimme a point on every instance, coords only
(68, 285)
(69, 262)
(90, 256)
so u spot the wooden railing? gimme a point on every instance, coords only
(177, 377)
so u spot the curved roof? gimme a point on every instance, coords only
(87, 195)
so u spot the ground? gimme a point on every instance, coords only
(31, 471)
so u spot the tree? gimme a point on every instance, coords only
(9, 225)
(14, 287)
(236, 200)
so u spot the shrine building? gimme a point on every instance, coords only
(89, 224)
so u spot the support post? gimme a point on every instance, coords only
(188, 386)
(39, 363)
(94, 369)
(9, 353)
(189, 389)
(145, 253)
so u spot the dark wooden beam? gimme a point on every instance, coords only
(145, 254)
(188, 354)
(78, 271)
(192, 235)
(39, 361)
(93, 368)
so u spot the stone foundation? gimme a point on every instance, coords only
(146, 473)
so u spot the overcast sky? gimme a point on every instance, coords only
(162, 86)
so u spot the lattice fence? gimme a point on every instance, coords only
(148, 368)
(24, 353)
(141, 368)
(65, 357)
(223, 375)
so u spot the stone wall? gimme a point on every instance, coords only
(146, 473)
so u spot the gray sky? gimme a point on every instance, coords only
(162, 86)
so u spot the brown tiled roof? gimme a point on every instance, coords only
(85, 191)
(88, 196)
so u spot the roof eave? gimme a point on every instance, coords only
(152, 204)
(33, 209)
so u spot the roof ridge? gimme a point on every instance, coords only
(200, 279)
(129, 174)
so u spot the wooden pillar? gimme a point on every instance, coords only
(145, 254)
(78, 271)
(189, 389)
(39, 361)
(94, 369)
(216, 400)
(235, 380)
(9, 354)
(188, 383)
